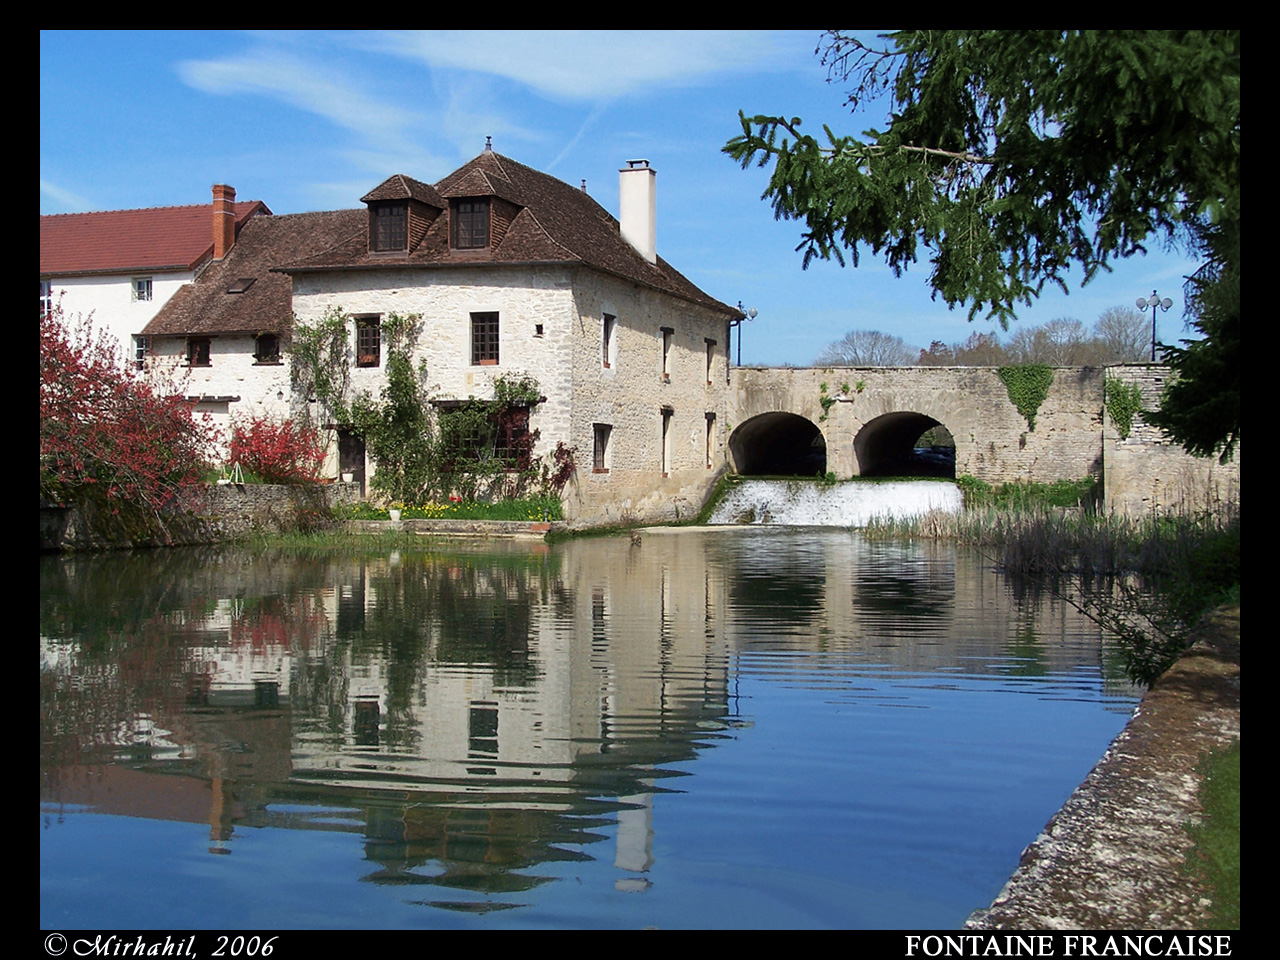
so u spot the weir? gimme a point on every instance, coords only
(810, 503)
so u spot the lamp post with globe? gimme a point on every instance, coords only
(1154, 301)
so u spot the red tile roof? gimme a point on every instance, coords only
(125, 241)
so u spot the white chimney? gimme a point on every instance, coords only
(637, 207)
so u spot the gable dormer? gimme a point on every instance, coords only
(482, 204)
(401, 210)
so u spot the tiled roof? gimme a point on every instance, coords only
(556, 223)
(265, 305)
(125, 241)
(401, 187)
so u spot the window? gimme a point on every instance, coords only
(667, 335)
(711, 353)
(139, 351)
(266, 348)
(482, 728)
(600, 447)
(46, 297)
(141, 289)
(667, 414)
(198, 351)
(473, 430)
(608, 328)
(471, 224)
(711, 436)
(367, 724)
(484, 339)
(511, 440)
(391, 227)
(368, 341)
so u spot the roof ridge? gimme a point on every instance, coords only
(167, 206)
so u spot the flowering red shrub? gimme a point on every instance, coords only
(107, 433)
(278, 451)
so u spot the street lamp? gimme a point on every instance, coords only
(748, 313)
(1154, 301)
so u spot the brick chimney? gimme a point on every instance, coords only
(637, 207)
(224, 219)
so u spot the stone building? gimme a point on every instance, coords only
(511, 273)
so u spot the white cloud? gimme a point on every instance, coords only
(585, 64)
(286, 78)
(74, 202)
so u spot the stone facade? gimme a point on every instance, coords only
(993, 441)
(862, 410)
(227, 512)
(551, 324)
(1146, 472)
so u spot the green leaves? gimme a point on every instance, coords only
(1011, 156)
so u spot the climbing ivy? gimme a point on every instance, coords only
(1028, 385)
(1123, 401)
(829, 401)
(826, 400)
(320, 364)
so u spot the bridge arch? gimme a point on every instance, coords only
(887, 446)
(778, 444)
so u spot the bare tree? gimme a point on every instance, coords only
(979, 350)
(1058, 343)
(1123, 334)
(867, 348)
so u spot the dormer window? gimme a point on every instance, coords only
(390, 227)
(471, 224)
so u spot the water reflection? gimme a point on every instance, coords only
(477, 717)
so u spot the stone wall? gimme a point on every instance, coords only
(228, 512)
(1147, 472)
(1074, 437)
(993, 441)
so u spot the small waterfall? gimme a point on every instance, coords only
(808, 503)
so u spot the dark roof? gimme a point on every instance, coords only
(400, 187)
(264, 305)
(125, 241)
(554, 223)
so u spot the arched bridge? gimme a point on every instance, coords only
(869, 421)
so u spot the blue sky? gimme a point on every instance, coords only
(313, 120)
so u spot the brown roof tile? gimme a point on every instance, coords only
(557, 224)
(266, 306)
(124, 241)
(400, 187)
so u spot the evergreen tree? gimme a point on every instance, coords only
(1011, 156)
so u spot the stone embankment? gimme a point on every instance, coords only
(224, 512)
(1112, 858)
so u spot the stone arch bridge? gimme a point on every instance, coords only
(868, 421)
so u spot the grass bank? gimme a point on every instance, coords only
(1215, 856)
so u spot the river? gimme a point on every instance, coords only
(748, 727)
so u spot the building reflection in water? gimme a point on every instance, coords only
(471, 714)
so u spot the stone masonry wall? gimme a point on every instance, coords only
(993, 441)
(228, 512)
(1148, 472)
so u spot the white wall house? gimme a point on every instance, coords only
(123, 266)
(514, 272)
(511, 273)
(226, 334)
